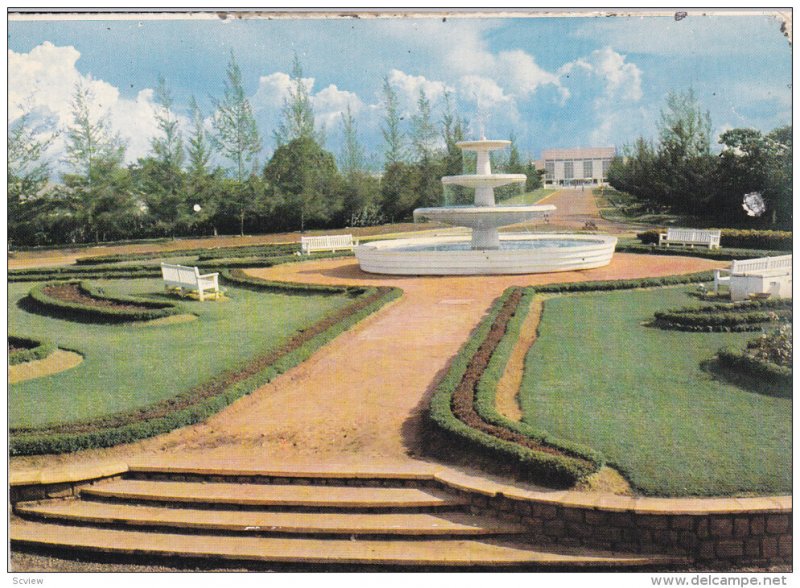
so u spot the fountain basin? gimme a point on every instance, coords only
(483, 217)
(519, 253)
(485, 180)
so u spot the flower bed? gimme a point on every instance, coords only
(767, 359)
(78, 300)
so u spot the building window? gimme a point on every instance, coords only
(606, 165)
(569, 173)
(587, 168)
(549, 170)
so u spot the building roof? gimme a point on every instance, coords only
(580, 153)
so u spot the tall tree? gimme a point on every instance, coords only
(352, 158)
(28, 174)
(161, 176)
(423, 138)
(236, 135)
(394, 151)
(423, 131)
(203, 187)
(89, 139)
(306, 180)
(99, 192)
(297, 120)
(453, 132)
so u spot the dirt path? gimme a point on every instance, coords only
(58, 361)
(358, 400)
(508, 387)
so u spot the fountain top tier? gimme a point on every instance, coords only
(484, 217)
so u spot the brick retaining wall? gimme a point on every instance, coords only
(739, 537)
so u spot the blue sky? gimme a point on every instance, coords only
(553, 82)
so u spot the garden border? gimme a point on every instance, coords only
(149, 309)
(41, 349)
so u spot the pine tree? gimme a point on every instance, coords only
(236, 136)
(298, 113)
(394, 151)
(352, 158)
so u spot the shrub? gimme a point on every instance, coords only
(745, 316)
(765, 372)
(29, 349)
(736, 238)
(136, 309)
(775, 347)
(727, 254)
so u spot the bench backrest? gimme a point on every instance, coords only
(694, 235)
(179, 273)
(744, 266)
(326, 242)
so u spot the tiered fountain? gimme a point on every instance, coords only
(487, 252)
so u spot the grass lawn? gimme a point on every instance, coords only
(639, 396)
(128, 367)
(527, 197)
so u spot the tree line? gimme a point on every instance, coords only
(176, 191)
(680, 174)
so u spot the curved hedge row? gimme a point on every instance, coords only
(33, 349)
(559, 462)
(548, 463)
(726, 254)
(764, 371)
(737, 238)
(586, 460)
(147, 309)
(198, 404)
(744, 316)
(238, 278)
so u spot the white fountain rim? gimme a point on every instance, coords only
(484, 210)
(483, 144)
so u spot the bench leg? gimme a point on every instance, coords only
(200, 294)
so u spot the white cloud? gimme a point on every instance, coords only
(42, 82)
(408, 86)
(331, 102)
(621, 79)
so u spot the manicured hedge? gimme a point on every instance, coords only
(486, 401)
(736, 238)
(744, 316)
(238, 278)
(148, 309)
(726, 254)
(763, 371)
(93, 273)
(558, 470)
(625, 284)
(201, 253)
(34, 349)
(38, 442)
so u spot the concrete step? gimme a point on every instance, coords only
(436, 552)
(262, 522)
(276, 495)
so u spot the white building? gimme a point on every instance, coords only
(565, 167)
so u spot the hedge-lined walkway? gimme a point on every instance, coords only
(359, 400)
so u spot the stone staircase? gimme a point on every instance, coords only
(306, 518)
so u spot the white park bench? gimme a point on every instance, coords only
(690, 237)
(763, 275)
(189, 278)
(333, 243)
